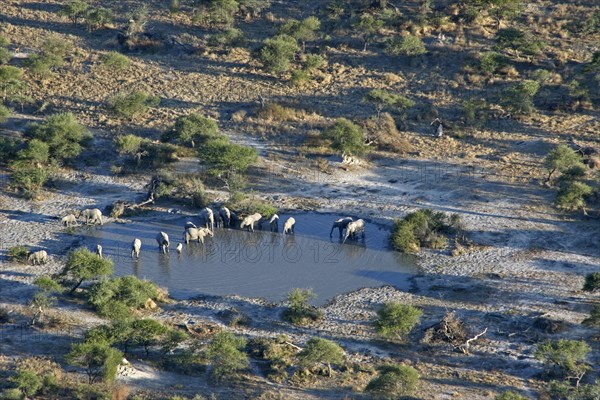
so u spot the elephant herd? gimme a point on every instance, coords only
(223, 218)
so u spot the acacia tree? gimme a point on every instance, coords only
(567, 356)
(303, 31)
(226, 355)
(83, 265)
(64, 135)
(278, 52)
(99, 360)
(321, 351)
(395, 320)
(561, 159)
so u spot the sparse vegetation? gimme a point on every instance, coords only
(114, 61)
(83, 265)
(321, 351)
(192, 128)
(226, 355)
(409, 46)
(346, 137)
(112, 296)
(299, 311)
(97, 358)
(132, 105)
(566, 357)
(423, 228)
(63, 134)
(18, 253)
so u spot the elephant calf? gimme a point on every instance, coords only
(163, 242)
(249, 221)
(38, 257)
(340, 224)
(288, 227)
(274, 223)
(354, 228)
(136, 246)
(69, 220)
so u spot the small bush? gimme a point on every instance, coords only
(11, 82)
(248, 205)
(313, 61)
(114, 61)
(5, 55)
(48, 284)
(393, 382)
(74, 10)
(592, 282)
(346, 137)
(383, 133)
(28, 382)
(64, 135)
(28, 178)
(408, 46)
(279, 113)
(300, 312)
(571, 196)
(300, 77)
(567, 357)
(490, 62)
(226, 355)
(395, 320)
(367, 27)
(190, 129)
(131, 105)
(303, 31)
(475, 111)
(422, 228)
(18, 253)
(321, 351)
(222, 12)
(519, 98)
(128, 291)
(230, 37)
(561, 159)
(594, 318)
(223, 157)
(5, 113)
(99, 360)
(512, 38)
(97, 18)
(278, 52)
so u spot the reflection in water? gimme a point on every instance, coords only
(257, 264)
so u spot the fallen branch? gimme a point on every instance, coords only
(465, 346)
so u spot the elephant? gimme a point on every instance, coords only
(92, 215)
(355, 227)
(250, 220)
(274, 223)
(136, 246)
(179, 248)
(225, 215)
(288, 227)
(341, 224)
(196, 234)
(189, 224)
(38, 257)
(69, 220)
(163, 242)
(99, 250)
(209, 218)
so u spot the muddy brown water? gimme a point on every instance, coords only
(256, 264)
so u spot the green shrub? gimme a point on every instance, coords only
(74, 10)
(346, 137)
(5, 55)
(592, 282)
(221, 156)
(512, 38)
(367, 27)
(385, 99)
(519, 98)
(299, 311)
(508, 395)
(249, 205)
(129, 291)
(490, 62)
(567, 357)
(594, 318)
(395, 320)
(28, 178)
(278, 52)
(230, 37)
(5, 113)
(254, 7)
(393, 382)
(299, 77)
(147, 333)
(321, 351)
(303, 31)
(409, 46)
(99, 360)
(18, 253)
(561, 159)
(83, 265)
(222, 12)
(46, 283)
(11, 82)
(182, 188)
(226, 355)
(422, 228)
(55, 50)
(475, 111)
(571, 196)
(9, 148)
(131, 105)
(114, 61)
(129, 144)
(313, 61)
(64, 135)
(28, 382)
(192, 128)
(97, 18)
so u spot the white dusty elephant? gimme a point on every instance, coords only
(288, 227)
(196, 234)
(136, 246)
(163, 242)
(99, 250)
(69, 220)
(189, 224)
(38, 257)
(354, 228)
(209, 218)
(340, 224)
(274, 223)
(92, 216)
(249, 221)
(179, 248)
(225, 215)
